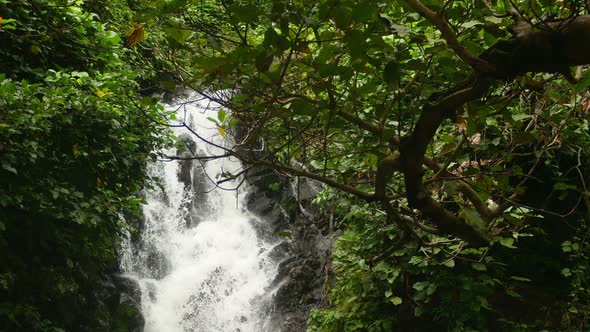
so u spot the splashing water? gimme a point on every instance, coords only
(209, 275)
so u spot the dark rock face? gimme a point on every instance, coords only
(127, 315)
(192, 175)
(120, 303)
(307, 237)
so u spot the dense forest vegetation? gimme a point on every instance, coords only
(452, 137)
(75, 135)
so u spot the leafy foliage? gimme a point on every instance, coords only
(382, 282)
(74, 140)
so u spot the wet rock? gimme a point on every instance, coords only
(281, 252)
(152, 264)
(128, 286)
(187, 148)
(120, 302)
(273, 213)
(195, 181)
(304, 244)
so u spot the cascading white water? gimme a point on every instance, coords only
(211, 276)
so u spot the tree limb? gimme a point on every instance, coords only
(465, 189)
(450, 37)
(385, 170)
(331, 182)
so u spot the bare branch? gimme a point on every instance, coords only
(301, 172)
(170, 158)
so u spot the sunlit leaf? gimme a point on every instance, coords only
(479, 266)
(520, 279)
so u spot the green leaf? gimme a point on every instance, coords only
(507, 242)
(263, 60)
(392, 73)
(418, 311)
(178, 35)
(421, 285)
(471, 24)
(396, 300)
(521, 116)
(584, 83)
(233, 122)
(316, 34)
(9, 168)
(449, 263)
(244, 13)
(273, 40)
(328, 69)
(342, 16)
(479, 266)
(271, 37)
(363, 12)
(564, 186)
(112, 37)
(301, 106)
(388, 133)
(520, 279)
(7, 20)
(285, 234)
(240, 97)
(371, 160)
(79, 74)
(512, 293)
(221, 115)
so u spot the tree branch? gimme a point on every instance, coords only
(331, 182)
(412, 153)
(206, 158)
(385, 170)
(366, 125)
(465, 189)
(450, 37)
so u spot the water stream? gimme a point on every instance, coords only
(198, 260)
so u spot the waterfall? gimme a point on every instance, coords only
(198, 259)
